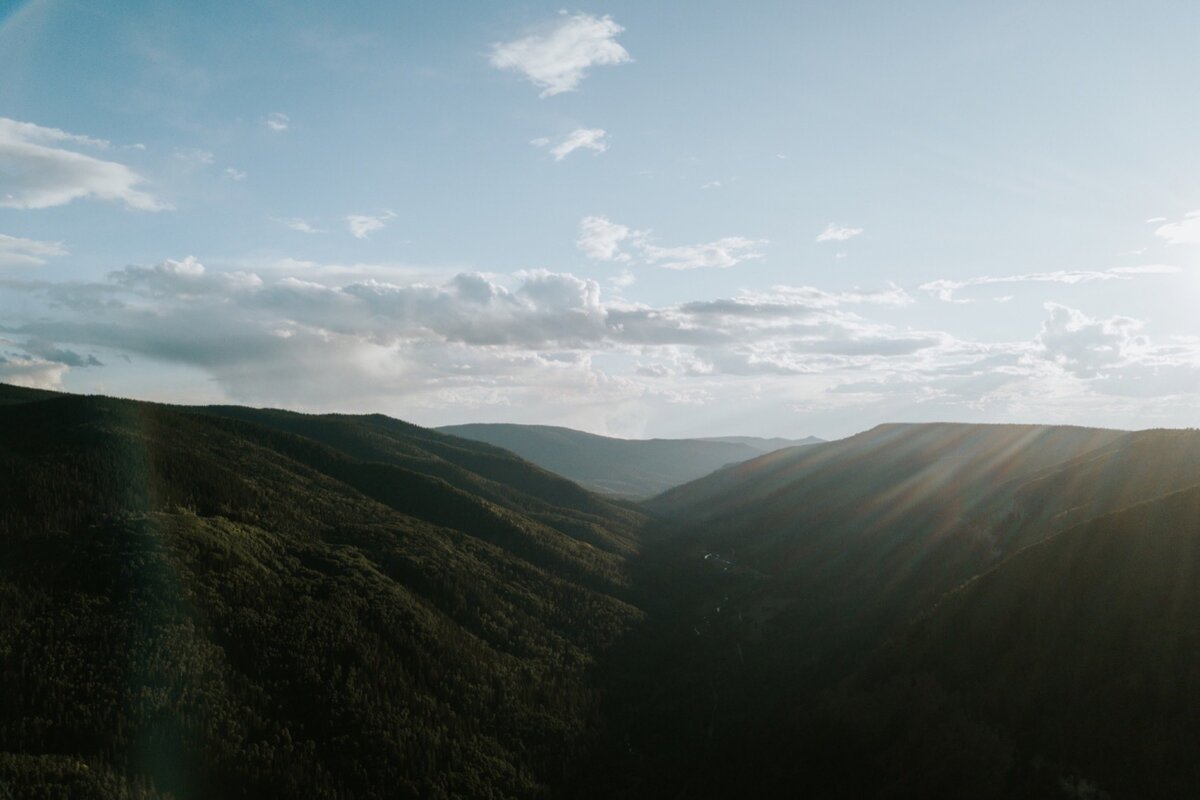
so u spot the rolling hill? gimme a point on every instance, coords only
(634, 468)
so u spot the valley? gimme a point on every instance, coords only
(204, 601)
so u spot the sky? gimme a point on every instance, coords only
(637, 219)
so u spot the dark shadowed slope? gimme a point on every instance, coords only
(239, 603)
(1069, 670)
(787, 573)
(636, 468)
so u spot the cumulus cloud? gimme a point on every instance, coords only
(314, 338)
(363, 225)
(557, 59)
(18, 252)
(580, 139)
(1184, 231)
(946, 289)
(39, 174)
(600, 239)
(277, 121)
(837, 233)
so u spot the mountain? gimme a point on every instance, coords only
(837, 621)
(634, 468)
(224, 601)
(763, 445)
(232, 602)
(1068, 670)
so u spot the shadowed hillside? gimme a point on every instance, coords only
(781, 576)
(636, 468)
(1068, 670)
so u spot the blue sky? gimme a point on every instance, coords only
(638, 219)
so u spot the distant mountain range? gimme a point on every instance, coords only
(224, 601)
(634, 468)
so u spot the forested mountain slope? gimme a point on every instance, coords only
(637, 468)
(232, 602)
(782, 576)
(254, 604)
(1068, 670)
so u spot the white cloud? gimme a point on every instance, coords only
(837, 233)
(946, 289)
(1184, 231)
(18, 252)
(601, 239)
(33, 373)
(40, 176)
(236, 175)
(297, 224)
(194, 155)
(277, 121)
(721, 254)
(580, 139)
(540, 141)
(540, 340)
(557, 59)
(362, 225)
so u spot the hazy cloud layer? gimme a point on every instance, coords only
(557, 58)
(946, 289)
(476, 341)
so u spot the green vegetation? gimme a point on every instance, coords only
(204, 603)
(230, 602)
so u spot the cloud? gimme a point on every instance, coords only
(33, 373)
(196, 156)
(38, 175)
(18, 252)
(603, 240)
(537, 341)
(540, 141)
(362, 225)
(558, 58)
(277, 121)
(1184, 231)
(297, 224)
(946, 289)
(580, 139)
(600, 239)
(837, 233)
(721, 254)
(236, 175)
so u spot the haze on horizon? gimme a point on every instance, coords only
(638, 220)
